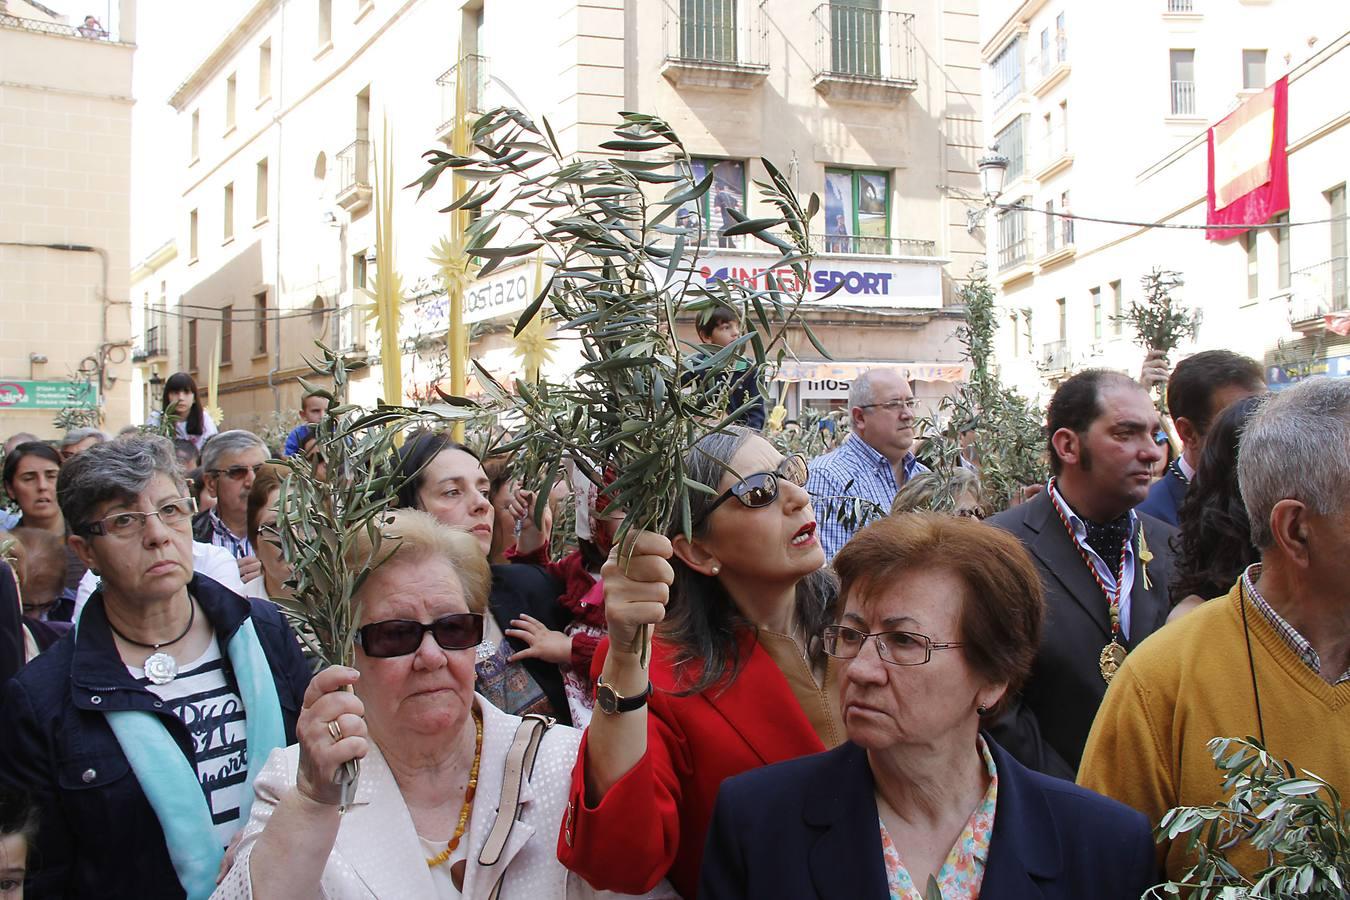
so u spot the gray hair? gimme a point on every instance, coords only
(75, 435)
(1297, 447)
(227, 443)
(860, 389)
(113, 471)
(937, 492)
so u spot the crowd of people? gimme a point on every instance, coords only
(950, 698)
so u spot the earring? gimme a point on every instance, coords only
(716, 569)
(981, 710)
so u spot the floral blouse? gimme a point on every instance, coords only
(961, 874)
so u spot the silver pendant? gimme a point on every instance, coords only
(161, 668)
(486, 650)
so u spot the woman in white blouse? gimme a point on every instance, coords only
(437, 761)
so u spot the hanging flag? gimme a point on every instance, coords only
(1249, 164)
(1338, 323)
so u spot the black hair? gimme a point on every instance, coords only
(702, 621)
(419, 450)
(28, 448)
(1191, 388)
(1214, 540)
(714, 316)
(182, 381)
(1077, 404)
(18, 815)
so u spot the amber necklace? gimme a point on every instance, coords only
(472, 789)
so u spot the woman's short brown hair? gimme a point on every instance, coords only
(267, 480)
(1001, 613)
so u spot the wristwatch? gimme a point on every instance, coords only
(611, 703)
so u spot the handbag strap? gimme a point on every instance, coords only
(519, 766)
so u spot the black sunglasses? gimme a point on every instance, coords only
(399, 637)
(760, 489)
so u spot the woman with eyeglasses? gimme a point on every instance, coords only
(940, 620)
(140, 733)
(737, 676)
(182, 401)
(455, 797)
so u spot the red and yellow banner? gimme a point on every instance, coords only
(1249, 164)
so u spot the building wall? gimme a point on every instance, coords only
(1126, 155)
(65, 149)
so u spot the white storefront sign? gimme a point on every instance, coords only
(864, 282)
(825, 389)
(501, 293)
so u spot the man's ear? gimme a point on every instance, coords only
(696, 555)
(1289, 525)
(1068, 446)
(1189, 434)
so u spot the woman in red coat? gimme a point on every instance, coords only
(737, 677)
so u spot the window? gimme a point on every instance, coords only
(260, 323)
(359, 275)
(226, 333)
(260, 205)
(1253, 270)
(1253, 70)
(1336, 201)
(192, 236)
(1065, 223)
(1026, 327)
(1012, 242)
(228, 217)
(857, 211)
(1096, 314)
(1050, 228)
(1282, 250)
(1045, 51)
(231, 95)
(1011, 142)
(1064, 125)
(1117, 309)
(195, 148)
(708, 30)
(1182, 67)
(713, 210)
(325, 35)
(192, 345)
(265, 70)
(1016, 335)
(1061, 40)
(1063, 312)
(1007, 68)
(855, 37)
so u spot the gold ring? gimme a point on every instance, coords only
(335, 730)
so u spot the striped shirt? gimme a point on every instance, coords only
(1288, 633)
(209, 705)
(852, 470)
(221, 536)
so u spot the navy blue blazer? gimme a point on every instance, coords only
(808, 828)
(1164, 498)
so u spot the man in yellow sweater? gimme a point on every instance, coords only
(1272, 658)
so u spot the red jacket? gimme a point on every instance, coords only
(652, 823)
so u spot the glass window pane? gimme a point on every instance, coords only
(873, 202)
(838, 211)
(727, 193)
(1253, 70)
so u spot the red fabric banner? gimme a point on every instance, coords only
(1249, 164)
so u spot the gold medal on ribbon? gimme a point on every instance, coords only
(1112, 658)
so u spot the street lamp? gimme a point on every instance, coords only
(993, 169)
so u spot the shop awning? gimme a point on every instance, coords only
(847, 370)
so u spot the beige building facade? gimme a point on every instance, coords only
(873, 106)
(1106, 117)
(65, 171)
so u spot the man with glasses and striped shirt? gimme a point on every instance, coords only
(874, 460)
(230, 462)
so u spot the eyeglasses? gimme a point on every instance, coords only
(899, 648)
(893, 405)
(970, 512)
(237, 473)
(399, 637)
(761, 489)
(126, 524)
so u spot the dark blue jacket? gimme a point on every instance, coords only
(98, 836)
(808, 828)
(1164, 498)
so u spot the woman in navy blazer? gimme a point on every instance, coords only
(918, 796)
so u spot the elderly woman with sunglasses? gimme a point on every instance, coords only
(736, 678)
(140, 733)
(940, 622)
(455, 798)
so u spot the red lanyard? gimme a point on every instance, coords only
(1112, 599)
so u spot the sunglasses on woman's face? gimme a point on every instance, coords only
(400, 637)
(761, 489)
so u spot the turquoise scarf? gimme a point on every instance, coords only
(169, 782)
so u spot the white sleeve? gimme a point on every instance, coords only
(88, 583)
(218, 564)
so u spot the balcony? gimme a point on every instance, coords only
(715, 44)
(1014, 254)
(353, 184)
(1316, 292)
(152, 345)
(1057, 241)
(868, 245)
(864, 55)
(1053, 155)
(1183, 98)
(1180, 7)
(1056, 356)
(472, 71)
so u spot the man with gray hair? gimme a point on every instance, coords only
(230, 462)
(874, 460)
(1270, 659)
(78, 440)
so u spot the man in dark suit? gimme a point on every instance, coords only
(1104, 567)
(1201, 387)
